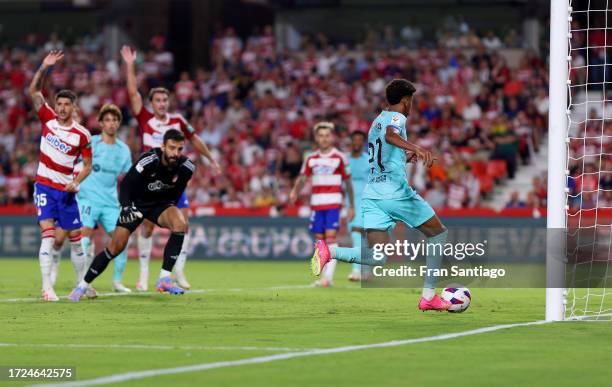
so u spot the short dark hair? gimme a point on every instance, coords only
(66, 94)
(156, 90)
(174, 135)
(398, 89)
(359, 133)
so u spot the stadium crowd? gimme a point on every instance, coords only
(255, 106)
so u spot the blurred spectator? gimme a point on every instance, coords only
(457, 194)
(505, 144)
(491, 41)
(436, 196)
(515, 201)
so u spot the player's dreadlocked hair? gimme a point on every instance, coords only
(398, 89)
(110, 108)
(174, 135)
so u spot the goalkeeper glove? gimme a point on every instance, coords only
(129, 214)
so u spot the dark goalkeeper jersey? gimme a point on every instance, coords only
(150, 183)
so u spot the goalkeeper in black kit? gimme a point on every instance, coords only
(150, 190)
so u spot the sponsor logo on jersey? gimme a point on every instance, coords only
(324, 169)
(57, 143)
(157, 185)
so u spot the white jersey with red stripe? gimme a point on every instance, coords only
(60, 147)
(153, 129)
(327, 172)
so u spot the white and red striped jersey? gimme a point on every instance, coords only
(327, 171)
(60, 147)
(153, 129)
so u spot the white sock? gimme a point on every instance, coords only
(164, 273)
(330, 268)
(182, 258)
(56, 256)
(144, 252)
(77, 256)
(83, 284)
(428, 293)
(89, 253)
(45, 260)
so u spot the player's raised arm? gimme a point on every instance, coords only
(35, 89)
(202, 149)
(393, 138)
(129, 56)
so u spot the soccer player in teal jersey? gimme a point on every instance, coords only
(387, 198)
(360, 169)
(97, 197)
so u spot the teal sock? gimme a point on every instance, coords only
(434, 260)
(356, 238)
(353, 255)
(120, 261)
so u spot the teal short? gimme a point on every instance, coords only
(382, 214)
(104, 214)
(358, 219)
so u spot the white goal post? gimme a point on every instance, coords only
(579, 203)
(557, 155)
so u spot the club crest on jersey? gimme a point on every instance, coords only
(57, 143)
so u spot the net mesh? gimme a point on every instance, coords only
(589, 161)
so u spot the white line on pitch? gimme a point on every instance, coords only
(116, 378)
(115, 294)
(160, 347)
(110, 294)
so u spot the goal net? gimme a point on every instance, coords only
(588, 147)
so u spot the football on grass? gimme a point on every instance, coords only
(460, 298)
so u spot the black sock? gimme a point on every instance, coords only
(98, 265)
(172, 250)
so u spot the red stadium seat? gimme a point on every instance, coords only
(497, 169)
(479, 168)
(486, 184)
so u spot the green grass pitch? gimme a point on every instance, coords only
(239, 314)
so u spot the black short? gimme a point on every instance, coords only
(150, 213)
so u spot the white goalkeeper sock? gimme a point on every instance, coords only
(144, 252)
(182, 258)
(44, 256)
(77, 256)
